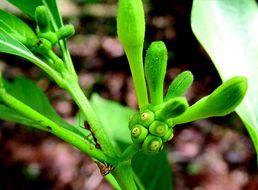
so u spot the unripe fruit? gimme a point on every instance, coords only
(158, 128)
(152, 144)
(138, 133)
(146, 118)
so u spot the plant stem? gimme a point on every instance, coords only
(129, 152)
(135, 59)
(124, 175)
(90, 116)
(52, 127)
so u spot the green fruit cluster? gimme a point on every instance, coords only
(149, 132)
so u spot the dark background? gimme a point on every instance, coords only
(210, 154)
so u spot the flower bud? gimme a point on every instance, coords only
(172, 108)
(50, 36)
(42, 19)
(131, 29)
(220, 102)
(155, 70)
(65, 31)
(179, 85)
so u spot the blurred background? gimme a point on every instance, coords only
(211, 154)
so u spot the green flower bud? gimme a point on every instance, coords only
(42, 19)
(152, 144)
(133, 120)
(42, 46)
(131, 29)
(146, 118)
(50, 36)
(179, 85)
(65, 32)
(155, 70)
(220, 102)
(172, 108)
(138, 133)
(130, 23)
(169, 135)
(158, 128)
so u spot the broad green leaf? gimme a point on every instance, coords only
(228, 31)
(26, 6)
(114, 118)
(29, 7)
(9, 44)
(153, 171)
(15, 27)
(28, 93)
(9, 114)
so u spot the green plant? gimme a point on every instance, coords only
(150, 128)
(232, 24)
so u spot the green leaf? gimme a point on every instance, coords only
(26, 6)
(29, 7)
(179, 85)
(153, 171)
(10, 45)
(12, 115)
(15, 27)
(228, 31)
(28, 93)
(114, 118)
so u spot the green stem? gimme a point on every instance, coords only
(135, 59)
(95, 125)
(52, 127)
(124, 175)
(129, 152)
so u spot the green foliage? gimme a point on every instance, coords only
(152, 171)
(16, 27)
(28, 93)
(116, 127)
(29, 7)
(228, 32)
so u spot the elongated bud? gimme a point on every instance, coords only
(131, 29)
(222, 101)
(50, 36)
(158, 128)
(130, 23)
(138, 133)
(155, 70)
(179, 85)
(146, 118)
(172, 108)
(42, 19)
(65, 32)
(152, 144)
